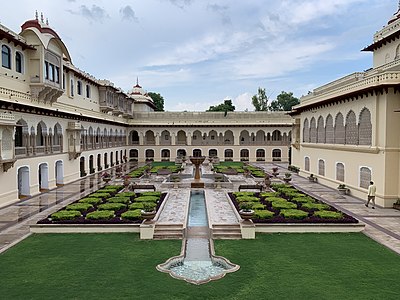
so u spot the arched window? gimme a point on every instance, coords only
(6, 57)
(87, 91)
(321, 167)
(351, 129)
(244, 155)
(306, 132)
(329, 131)
(41, 131)
(313, 131)
(276, 154)
(260, 155)
(57, 135)
(339, 129)
(228, 153)
(340, 172)
(320, 131)
(79, 87)
(72, 87)
(365, 128)
(365, 177)
(19, 62)
(307, 163)
(276, 135)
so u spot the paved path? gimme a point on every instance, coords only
(219, 208)
(175, 208)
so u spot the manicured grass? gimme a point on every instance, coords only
(276, 266)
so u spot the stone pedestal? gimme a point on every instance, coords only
(147, 230)
(248, 229)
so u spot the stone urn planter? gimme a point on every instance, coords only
(246, 214)
(148, 215)
(396, 205)
(342, 189)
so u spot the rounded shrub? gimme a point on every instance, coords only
(82, 207)
(241, 194)
(304, 199)
(263, 214)
(155, 194)
(327, 214)
(269, 194)
(275, 199)
(127, 194)
(131, 214)
(293, 214)
(146, 199)
(247, 199)
(100, 215)
(118, 199)
(100, 195)
(317, 206)
(283, 205)
(257, 206)
(111, 206)
(65, 215)
(93, 201)
(136, 205)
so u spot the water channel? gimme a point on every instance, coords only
(197, 264)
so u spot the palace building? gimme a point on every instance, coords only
(59, 123)
(345, 132)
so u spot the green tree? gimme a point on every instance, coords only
(284, 102)
(158, 101)
(226, 106)
(260, 101)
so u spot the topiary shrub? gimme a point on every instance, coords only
(240, 194)
(136, 205)
(93, 201)
(111, 206)
(65, 215)
(257, 206)
(100, 195)
(269, 194)
(100, 215)
(131, 214)
(149, 206)
(247, 199)
(147, 199)
(317, 206)
(155, 194)
(263, 214)
(283, 205)
(82, 207)
(118, 199)
(327, 214)
(127, 194)
(293, 214)
(275, 199)
(305, 199)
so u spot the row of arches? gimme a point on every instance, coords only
(365, 173)
(228, 154)
(339, 130)
(95, 139)
(100, 161)
(212, 137)
(24, 177)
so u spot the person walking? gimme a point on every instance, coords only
(371, 194)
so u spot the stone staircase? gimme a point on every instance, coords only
(226, 231)
(168, 232)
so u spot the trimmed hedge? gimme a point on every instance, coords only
(263, 214)
(327, 214)
(136, 205)
(118, 199)
(100, 214)
(155, 194)
(257, 206)
(82, 207)
(147, 199)
(317, 206)
(275, 199)
(247, 199)
(294, 213)
(269, 194)
(127, 194)
(65, 215)
(304, 199)
(100, 195)
(283, 205)
(241, 194)
(93, 201)
(111, 206)
(131, 214)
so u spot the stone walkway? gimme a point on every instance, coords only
(383, 225)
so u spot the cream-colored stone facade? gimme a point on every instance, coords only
(346, 131)
(58, 123)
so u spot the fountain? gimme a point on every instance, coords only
(197, 263)
(197, 161)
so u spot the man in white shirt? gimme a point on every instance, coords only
(371, 194)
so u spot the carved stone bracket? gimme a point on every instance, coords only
(7, 164)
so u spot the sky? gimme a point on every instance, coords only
(196, 53)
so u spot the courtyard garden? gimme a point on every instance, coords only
(273, 266)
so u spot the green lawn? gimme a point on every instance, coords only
(278, 266)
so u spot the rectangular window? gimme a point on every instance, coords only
(63, 85)
(72, 87)
(79, 87)
(46, 70)
(87, 91)
(57, 74)
(51, 72)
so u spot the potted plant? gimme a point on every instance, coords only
(245, 211)
(312, 178)
(127, 180)
(275, 171)
(149, 210)
(118, 171)
(288, 177)
(343, 190)
(396, 205)
(106, 177)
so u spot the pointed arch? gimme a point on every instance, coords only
(329, 130)
(365, 127)
(306, 131)
(339, 129)
(351, 131)
(313, 130)
(320, 131)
